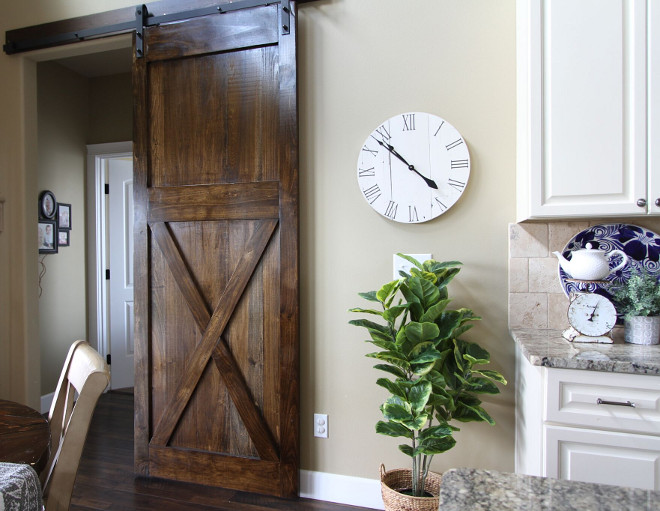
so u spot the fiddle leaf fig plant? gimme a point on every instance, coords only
(433, 376)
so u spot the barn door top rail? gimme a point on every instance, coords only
(125, 21)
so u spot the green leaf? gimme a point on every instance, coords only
(407, 449)
(435, 432)
(387, 291)
(428, 355)
(392, 357)
(422, 369)
(397, 410)
(392, 313)
(439, 399)
(433, 312)
(419, 395)
(447, 322)
(390, 369)
(480, 385)
(366, 311)
(436, 266)
(383, 343)
(370, 325)
(393, 429)
(458, 358)
(435, 445)
(411, 260)
(416, 423)
(465, 413)
(476, 354)
(370, 295)
(458, 331)
(421, 332)
(493, 375)
(392, 387)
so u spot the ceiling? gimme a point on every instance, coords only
(107, 63)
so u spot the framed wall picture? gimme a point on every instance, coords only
(63, 216)
(47, 237)
(63, 237)
(47, 205)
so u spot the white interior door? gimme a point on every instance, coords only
(120, 248)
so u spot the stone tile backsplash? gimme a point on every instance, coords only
(536, 298)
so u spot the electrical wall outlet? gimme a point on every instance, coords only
(321, 425)
(400, 264)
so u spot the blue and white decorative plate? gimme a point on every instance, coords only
(641, 245)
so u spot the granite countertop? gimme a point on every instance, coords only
(549, 349)
(481, 490)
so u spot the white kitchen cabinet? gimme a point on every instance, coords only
(588, 78)
(591, 426)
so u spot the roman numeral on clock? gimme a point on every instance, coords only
(458, 185)
(439, 203)
(408, 122)
(372, 193)
(454, 144)
(382, 131)
(367, 172)
(412, 214)
(374, 152)
(390, 212)
(438, 130)
(459, 164)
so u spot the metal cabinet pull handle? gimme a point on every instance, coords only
(641, 203)
(615, 403)
(657, 202)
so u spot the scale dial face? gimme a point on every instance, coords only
(592, 314)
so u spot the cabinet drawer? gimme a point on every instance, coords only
(622, 402)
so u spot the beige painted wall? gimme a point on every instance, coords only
(110, 109)
(63, 118)
(360, 62)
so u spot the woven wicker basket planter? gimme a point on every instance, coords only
(393, 481)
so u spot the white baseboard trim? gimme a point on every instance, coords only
(354, 491)
(46, 401)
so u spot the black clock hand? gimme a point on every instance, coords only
(429, 182)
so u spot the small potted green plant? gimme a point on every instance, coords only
(434, 375)
(638, 302)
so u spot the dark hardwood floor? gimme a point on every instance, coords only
(105, 479)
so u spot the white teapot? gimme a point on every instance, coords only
(590, 263)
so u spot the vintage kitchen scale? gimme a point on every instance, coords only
(591, 316)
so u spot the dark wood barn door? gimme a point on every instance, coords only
(216, 252)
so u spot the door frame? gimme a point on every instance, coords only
(97, 256)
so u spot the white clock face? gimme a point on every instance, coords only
(413, 167)
(592, 314)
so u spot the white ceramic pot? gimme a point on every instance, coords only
(642, 330)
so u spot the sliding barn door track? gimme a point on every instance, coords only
(142, 20)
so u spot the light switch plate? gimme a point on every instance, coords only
(401, 264)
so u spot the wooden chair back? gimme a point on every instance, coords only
(84, 377)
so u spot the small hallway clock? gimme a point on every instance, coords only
(413, 167)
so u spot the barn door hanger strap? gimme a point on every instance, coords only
(142, 20)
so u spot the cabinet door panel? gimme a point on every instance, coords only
(601, 457)
(582, 108)
(654, 106)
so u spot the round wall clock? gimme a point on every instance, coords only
(413, 167)
(591, 314)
